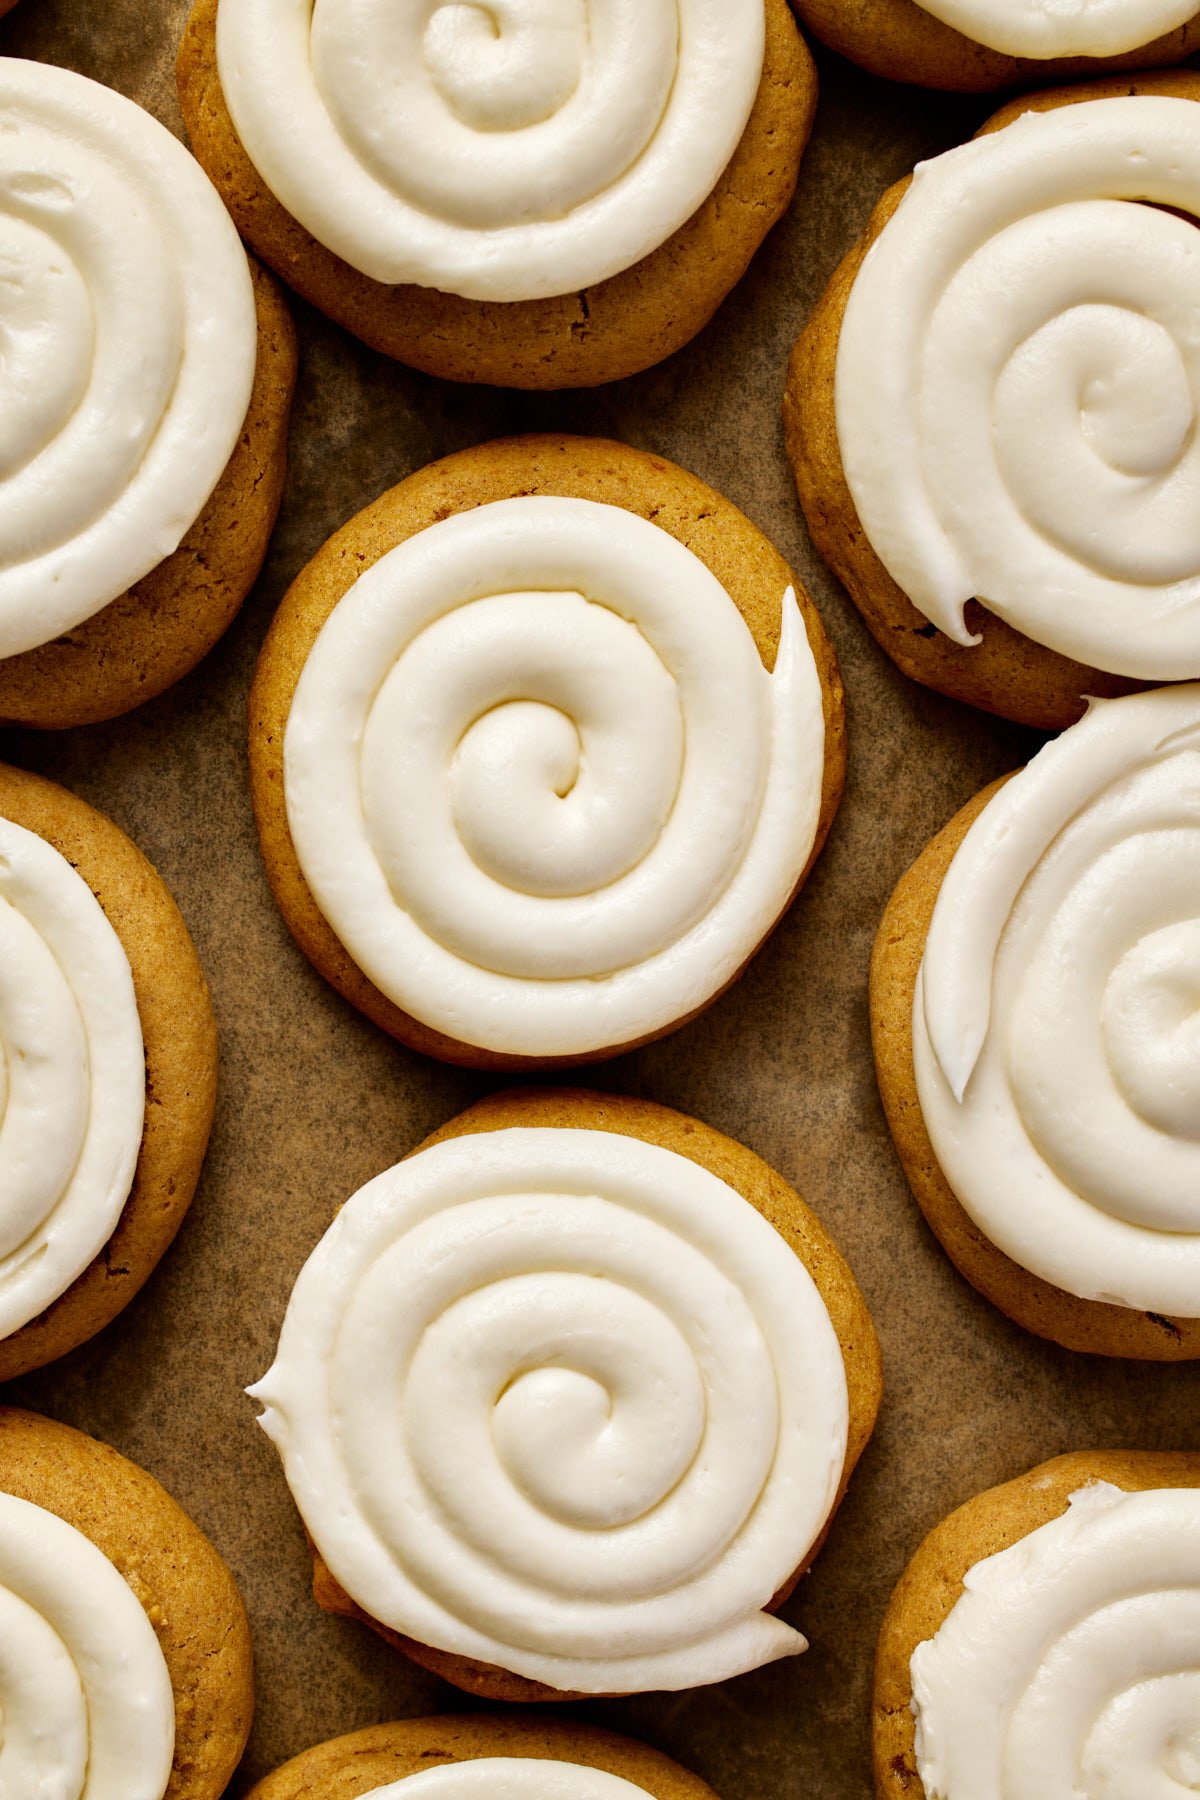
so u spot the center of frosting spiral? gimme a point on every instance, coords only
(618, 1409)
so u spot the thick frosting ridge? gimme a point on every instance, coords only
(508, 151)
(127, 347)
(1017, 381)
(1045, 28)
(1071, 1663)
(563, 1402)
(509, 1778)
(86, 1707)
(72, 1076)
(539, 782)
(1056, 1025)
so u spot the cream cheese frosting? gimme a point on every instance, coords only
(1071, 1663)
(1056, 1030)
(1047, 28)
(509, 1778)
(565, 1403)
(1017, 379)
(72, 1076)
(86, 1706)
(512, 151)
(127, 347)
(539, 782)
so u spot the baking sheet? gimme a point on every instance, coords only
(314, 1100)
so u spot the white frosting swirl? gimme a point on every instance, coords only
(86, 1707)
(509, 1778)
(1047, 28)
(72, 1076)
(563, 1402)
(1056, 1030)
(1071, 1663)
(541, 785)
(127, 347)
(1017, 383)
(511, 150)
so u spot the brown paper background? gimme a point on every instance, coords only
(314, 1100)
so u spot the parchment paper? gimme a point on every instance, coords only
(314, 1100)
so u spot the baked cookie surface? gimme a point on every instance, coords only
(586, 336)
(181, 1583)
(486, 750)
(645, 1230)
(1006, 671)
(933, 1583)
(180, 1049)
(355, 1766)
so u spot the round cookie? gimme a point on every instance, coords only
(685, 509)
(783, 1209)
(933, 1581)
(158, 631)
(180, 1041)
(353, 1767)
(1006, 672)
(580, 339)
(899, 40)
(173, 1570)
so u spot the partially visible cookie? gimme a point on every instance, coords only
(1129, 1622)
(151, 1131)
(359, 1765)
(183, 1588)
(587, 331)
(592, 1313)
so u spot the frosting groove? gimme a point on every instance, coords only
(1017, 382)
(1049, 28)
(1071, 1663)
(72, 1076)
(509, 151)
(539, 782)
(86, 1706)
(509, 1778)
(1056, 1021)
(563, 1402)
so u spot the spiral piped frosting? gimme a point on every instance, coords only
(510, 1778)
(539, 782)
(86, 1706)
(563, 1402)
(72, 1076)
(127, 347)
(1050, 28)
(1056, 1024)
(1071, 1663)
(508, 151)
(1017, 383)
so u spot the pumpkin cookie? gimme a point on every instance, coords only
(1005, 477)
(108, 1070)
(542, 745)
(658, 1375)
(146, 386)
(1029, 1005)
(1048, 1626)
(971, 46)
(530, 216)
(127, 1663)
(372, 1762)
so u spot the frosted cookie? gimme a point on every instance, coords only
(144, 392)
(991, 414)
(1033, 1009)
(513, 197)
(1045, 1639)
(125, 1661)
(567, 1400)
(542, 745)
(102, 1004)
(480, 1759)
(970, 46)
